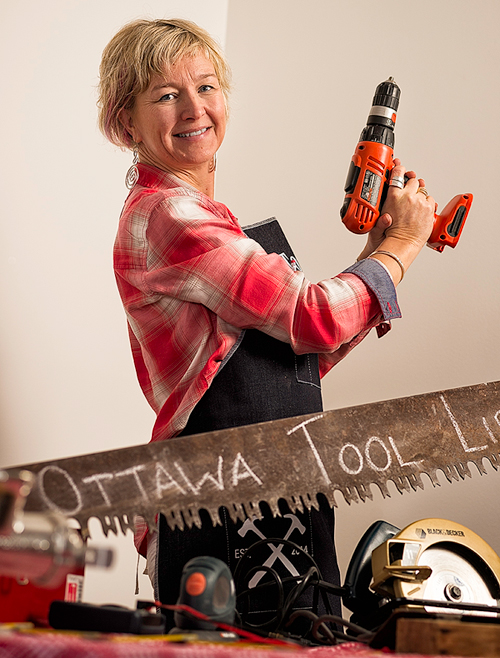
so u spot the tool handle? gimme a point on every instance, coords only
(449, 224)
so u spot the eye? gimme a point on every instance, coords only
(166, 98)
(205, 88)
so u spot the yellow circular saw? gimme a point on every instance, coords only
(435, 560)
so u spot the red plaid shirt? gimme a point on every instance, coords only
(191, 281)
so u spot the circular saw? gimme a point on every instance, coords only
(435, 560)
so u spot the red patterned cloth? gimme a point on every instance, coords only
(65, 645)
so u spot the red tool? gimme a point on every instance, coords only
(369, 173)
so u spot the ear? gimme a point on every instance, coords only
(127, 120)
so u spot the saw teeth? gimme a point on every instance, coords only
(415, 481)
(383, 489)
(105, 529)
(116, 485)
(194, 519)
(297, 504)
(493, 459)
(124, 523)
(108, 524)
(434, 478)
(308, 501)
(84, 527)
(191, 518)
(151, 519)
(480, 467)
(330, 496)
(273, 504)
(350, 495)
(401, 484)
(247, 511)
(215, 517)
(452, 473)
(237, 513)
(174, 519)
(463, 470)
(364, 492)
(254, 509)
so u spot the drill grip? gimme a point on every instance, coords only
(449, 224)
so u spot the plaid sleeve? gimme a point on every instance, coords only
(373, 278)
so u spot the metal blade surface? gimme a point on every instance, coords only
(455, 578)
(296, 459)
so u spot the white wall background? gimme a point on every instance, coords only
(304, 77)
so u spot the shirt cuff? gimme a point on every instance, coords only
(377, 278)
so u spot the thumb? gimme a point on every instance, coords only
(384, 221)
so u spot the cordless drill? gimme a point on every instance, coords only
(369, 172)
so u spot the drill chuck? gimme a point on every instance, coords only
(382, 117)
(387, 94)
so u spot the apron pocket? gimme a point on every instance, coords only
(307, 369)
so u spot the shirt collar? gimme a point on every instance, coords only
(155, 178)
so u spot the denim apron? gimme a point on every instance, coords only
(262, 380)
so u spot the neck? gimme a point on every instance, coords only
(202, 177)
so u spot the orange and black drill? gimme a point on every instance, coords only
(369, 172)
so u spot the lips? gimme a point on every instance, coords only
(193, 133)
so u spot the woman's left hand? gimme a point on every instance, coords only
(377, 235)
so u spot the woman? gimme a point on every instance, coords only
(220, 329)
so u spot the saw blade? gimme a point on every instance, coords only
(294, 459)
(456, 579)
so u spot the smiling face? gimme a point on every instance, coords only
(179, 121)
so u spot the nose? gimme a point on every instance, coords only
(192, 106)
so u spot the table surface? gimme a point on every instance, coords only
(59, 644)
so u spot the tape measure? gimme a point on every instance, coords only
(207, 586)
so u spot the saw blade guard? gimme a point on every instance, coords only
(437, 560)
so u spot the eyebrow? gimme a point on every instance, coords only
(162, 85)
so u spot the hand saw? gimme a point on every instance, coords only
(295, 459)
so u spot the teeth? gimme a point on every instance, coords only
(193, 134)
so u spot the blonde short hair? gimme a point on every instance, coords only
(139, 50)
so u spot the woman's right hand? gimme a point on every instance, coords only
(411, 211)
(408, 218)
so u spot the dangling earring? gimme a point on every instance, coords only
(133, 173)
(213, 164)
